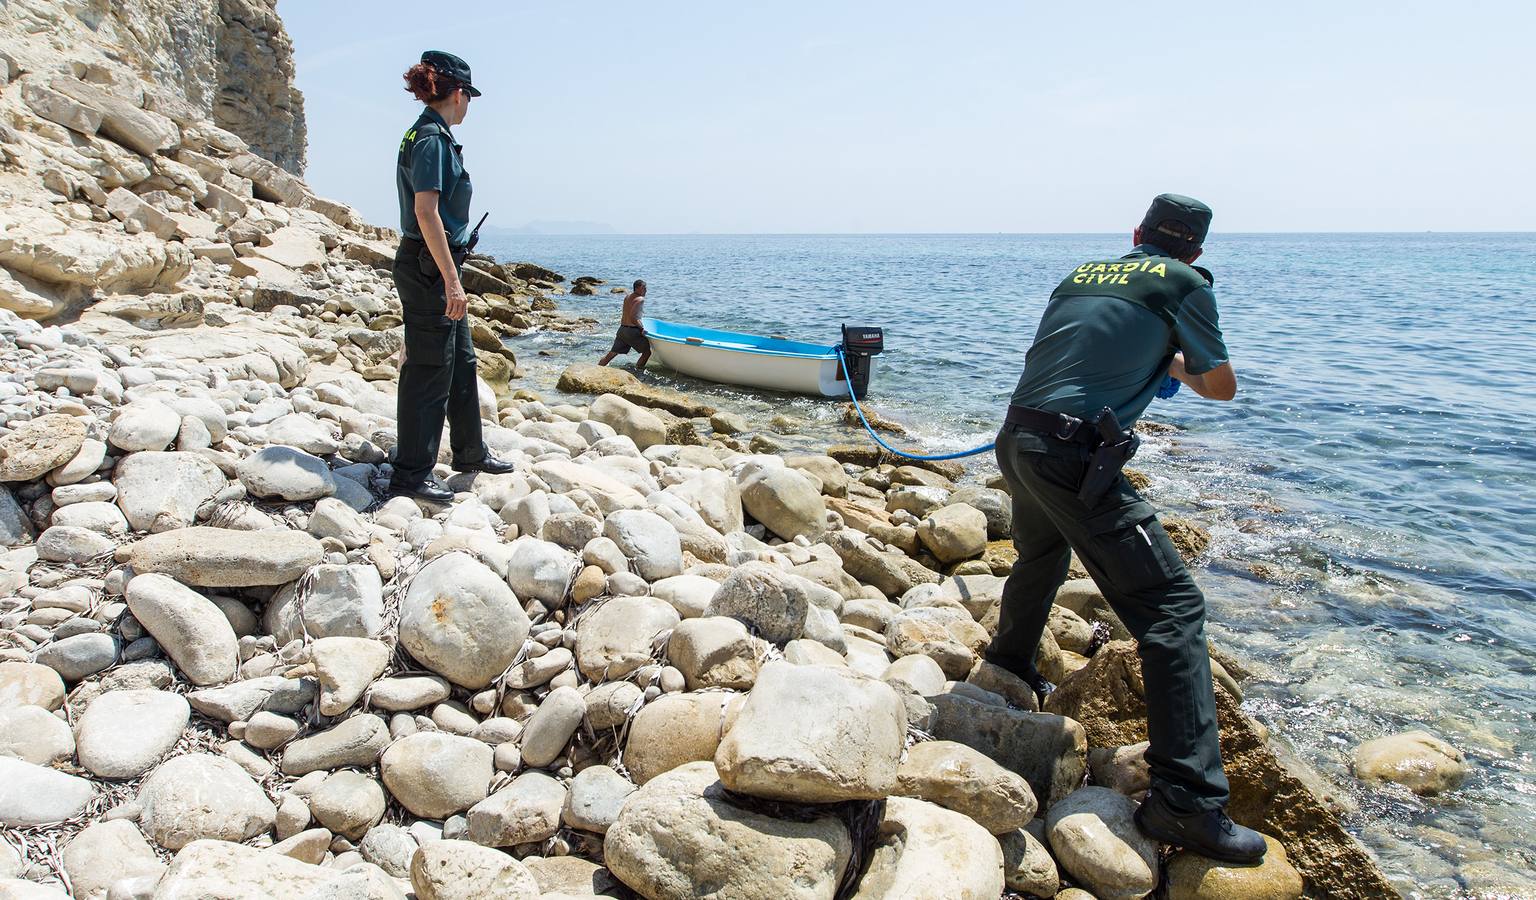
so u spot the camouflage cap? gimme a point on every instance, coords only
(452, 66)
(1177, 219)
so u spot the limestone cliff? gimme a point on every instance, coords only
(228, 61)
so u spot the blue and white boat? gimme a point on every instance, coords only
(776, 364)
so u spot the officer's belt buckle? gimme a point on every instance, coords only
(1068, 427)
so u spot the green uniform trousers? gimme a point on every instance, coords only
(437, 380)
(1141, 574)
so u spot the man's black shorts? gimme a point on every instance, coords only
(630, 337)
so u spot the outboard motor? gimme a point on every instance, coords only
(859, 345)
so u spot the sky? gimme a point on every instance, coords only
(1019, 116)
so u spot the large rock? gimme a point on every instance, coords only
(1194, 877)
(954, 532)
(1050, 751)
(220, 870)
(715, 651)
(461, 870)
(816, 734)
(1417, 760)
(141, 130)
(37, 795)
(219, 557)
(712, 494)
(525, 811)
(588, 379)
(783, 500)
(1107, 697)
(191, 628)
(679, 838)
(30, 684)
(673, 730)
(337, 601)
(926, 852)
(123, 734)
(294, 247)
(144, 425)
(1095, 838)
(616, 638)
(163, 491)
(459, 619)
(963, 779)
(637, 423)
(650, 542)
(766, 598)
(105, 852)
(286, 473)
(35, 735)
(436, 775)
(949, 635)
(38, 447)
(197, 796)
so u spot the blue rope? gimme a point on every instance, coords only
(860, 410)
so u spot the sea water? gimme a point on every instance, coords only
(1370, 491)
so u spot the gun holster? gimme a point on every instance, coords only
(1116, 447)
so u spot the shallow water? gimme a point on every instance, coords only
(1370, 492)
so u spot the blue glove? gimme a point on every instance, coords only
(1169, 388)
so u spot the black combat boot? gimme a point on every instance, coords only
(1210, 833)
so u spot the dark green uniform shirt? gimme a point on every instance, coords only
(1111, 329)
(431, 160)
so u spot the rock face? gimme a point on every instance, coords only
(815, 734)
(1266, 794)
(678, 838)
(1417, 760)
(460, 619)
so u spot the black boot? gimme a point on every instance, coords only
(487, 464)
(1210, 833)
(1029, 675)
(428, 490)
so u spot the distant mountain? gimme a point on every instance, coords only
(547, 226)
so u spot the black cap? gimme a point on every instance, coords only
(452, 66)
(1193, 220)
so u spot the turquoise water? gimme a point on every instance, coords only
(1370, 491)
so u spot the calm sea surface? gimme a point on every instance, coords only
(1371, 490)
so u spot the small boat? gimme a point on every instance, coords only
(730, 357)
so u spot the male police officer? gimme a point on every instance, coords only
(1113, 330)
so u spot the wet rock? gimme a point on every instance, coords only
(1418, 760)
(436, 775)
(962, 779)
(815, 734)
(123, 734)
(1193, 877)
(197, 796)
(678, 838)
(461, 870)
(217, 557)
(1096, 841)
(192, 630)
(459, 619)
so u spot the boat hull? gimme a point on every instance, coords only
(749, 360)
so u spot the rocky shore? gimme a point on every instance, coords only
(659, 660)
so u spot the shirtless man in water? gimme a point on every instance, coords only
(631, 336)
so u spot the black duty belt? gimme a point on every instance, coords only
(415, 245)
(1057, 425)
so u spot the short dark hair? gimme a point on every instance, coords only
(638, 284)
(1173, 236)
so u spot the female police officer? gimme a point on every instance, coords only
(438, 376)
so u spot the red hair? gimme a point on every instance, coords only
(428, 84)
